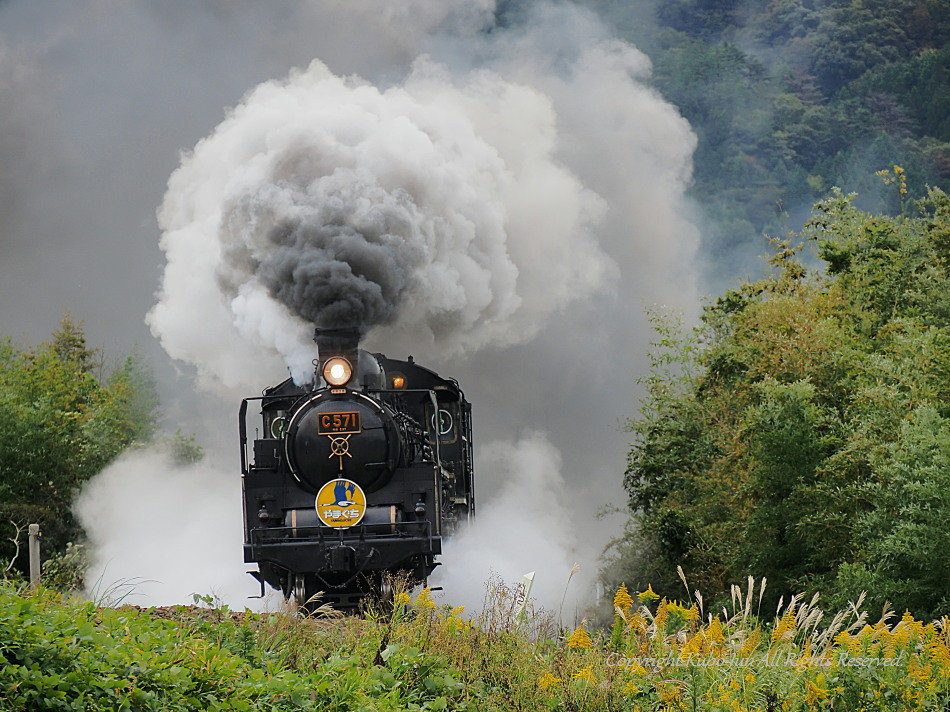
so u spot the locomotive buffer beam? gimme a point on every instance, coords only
(340, 552)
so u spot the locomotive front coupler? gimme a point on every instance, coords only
(341, 558)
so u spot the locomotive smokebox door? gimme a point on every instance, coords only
(333, 436)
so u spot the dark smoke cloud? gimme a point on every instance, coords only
(329, 266)
(335, 276)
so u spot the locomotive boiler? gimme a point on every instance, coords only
(356, 477)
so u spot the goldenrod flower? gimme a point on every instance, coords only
(659, 620)
(622, 599)
(637, 623)
(402, 599)
(814, 691)
(713, 632)
(940, 654)
(548, 680)
(843, 638)
(637, 669)
(693, 647)
(424, 599)
(648, 595)
(786, 627)
(806, 658)
(669, 694)
(579, 639)
(678, 616)
(630, 689)
(585, 674)
(751, 643)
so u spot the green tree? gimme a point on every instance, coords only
(904, 539)
(807, 440)
(60, 425)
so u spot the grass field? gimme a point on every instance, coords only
(62, 654)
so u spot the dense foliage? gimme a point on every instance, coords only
(416, 655)
(791, 97)
(802, 432)
(61, 422)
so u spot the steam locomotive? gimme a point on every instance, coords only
(356, 477)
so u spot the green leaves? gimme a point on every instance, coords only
(905, 537)
(59, 426)
(809, 443)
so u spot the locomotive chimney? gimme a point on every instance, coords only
(337, 342)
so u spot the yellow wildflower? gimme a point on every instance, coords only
(786, 628)
(901, 635)
(637, 623)
(751, 643)
(843, 638)
(637, 669)
(940, 654)
(630, 688)
(693, 647)
(713, 632)
(648, 595)
(678, 616)
(579, 638)
(622, 599)
(659, 620)
(669, 693)
(548, 680)
(402, 599)
(424, 599)
(806, 659)
(814, 692)
(585, 674)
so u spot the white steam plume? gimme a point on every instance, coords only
(521, 526)
(159, 532)
(414, 210)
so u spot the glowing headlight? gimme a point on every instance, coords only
(337, 371)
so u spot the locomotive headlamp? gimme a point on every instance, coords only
(337, 371)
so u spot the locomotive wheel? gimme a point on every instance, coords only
(299, 591)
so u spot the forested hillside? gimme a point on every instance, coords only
(802, 432)
(790, 98)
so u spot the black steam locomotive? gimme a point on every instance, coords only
(356, 477)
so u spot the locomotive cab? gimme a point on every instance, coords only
(355, 477)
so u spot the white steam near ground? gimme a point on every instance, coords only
(157, 531)
(508, 200)
(520, 528)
